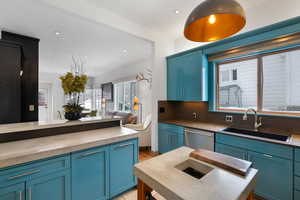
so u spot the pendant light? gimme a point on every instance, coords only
(214, 20)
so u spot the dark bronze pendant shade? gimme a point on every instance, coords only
(214, 20)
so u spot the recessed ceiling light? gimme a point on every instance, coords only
(176, 12)
(57, 33)
(125, 51)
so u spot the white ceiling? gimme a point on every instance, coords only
(159, 15)
(100, 46)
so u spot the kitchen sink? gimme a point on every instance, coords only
(258, 134)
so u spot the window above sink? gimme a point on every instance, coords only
(267, 82)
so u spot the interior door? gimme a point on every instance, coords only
(10, 83)
(45, 102)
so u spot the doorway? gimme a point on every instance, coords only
(45, 102)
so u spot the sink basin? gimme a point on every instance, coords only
(258, 134)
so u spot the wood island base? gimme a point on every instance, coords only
(144, 191)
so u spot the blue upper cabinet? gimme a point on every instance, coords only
(13, 192)
(187, 77)
(175, 80)
(123, 156)
(90, 174)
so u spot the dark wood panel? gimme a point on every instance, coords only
(228, 163)
(10, 137)
(10, 83)
(30, 61)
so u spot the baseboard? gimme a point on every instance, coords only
(145, 148)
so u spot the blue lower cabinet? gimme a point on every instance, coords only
(231, 151)
(296, 195)
(99, 173)
(13, 192)
(90, 174)
(275, 176)
(51, 187)
(122, 156)
(170, 137)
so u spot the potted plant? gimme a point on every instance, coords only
(73, 86)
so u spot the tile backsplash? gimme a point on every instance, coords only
(176, 110)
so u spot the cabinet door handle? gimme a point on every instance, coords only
(123, 145)
(267, 155)
(29, 194)
(20, 195)
(90, 153)
(25, 174)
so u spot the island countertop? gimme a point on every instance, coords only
(18, 152)
(163, 175)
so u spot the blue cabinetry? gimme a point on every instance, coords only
(53, 186)
(274, 162)
(13, 192)
(90, 173)
(170, 137)
(47, 179)
(187, 77)
(123, 156)
(96, 174)
(231, 151)
(275, 177)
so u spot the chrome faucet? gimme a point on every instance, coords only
(257, 121)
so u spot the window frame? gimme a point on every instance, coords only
(116, 95)
(259, 100)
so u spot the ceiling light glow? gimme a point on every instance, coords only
(212, 19)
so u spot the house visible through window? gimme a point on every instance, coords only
(124, 94)
(267, 82)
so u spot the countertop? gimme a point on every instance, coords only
(29, 126)
(163, 174)
(294, 140)
(18, 152)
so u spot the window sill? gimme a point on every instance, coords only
(259, 114)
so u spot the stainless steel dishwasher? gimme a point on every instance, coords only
(198, 139)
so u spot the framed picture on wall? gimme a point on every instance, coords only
(108, 91)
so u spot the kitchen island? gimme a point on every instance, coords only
(91, 164)
(165, 174)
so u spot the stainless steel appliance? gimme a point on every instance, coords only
(198, 139)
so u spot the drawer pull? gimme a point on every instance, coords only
(29, 194)
(123, 145)
(267, 155)
(25, 174)
(90, 153)
(20, 195)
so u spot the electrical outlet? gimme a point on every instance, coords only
(31, 108)
(194, 115)
(228, 118)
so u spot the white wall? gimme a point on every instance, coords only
(124, 73)
(264, 13)
(127, 73)
(57, 91)
(269, 12)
